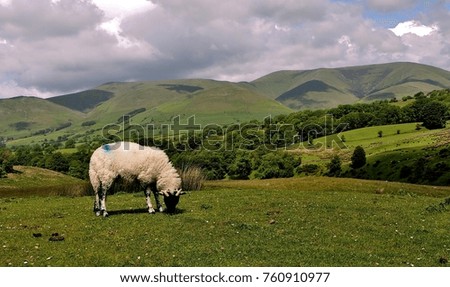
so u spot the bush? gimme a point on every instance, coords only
(308, 169)
(57, 162)
(88, 123)
(434, 115)
(192, 178)
(2, 172)
(335, 166)
(213, 164)
(70, 143)
(6, 162)
(405, 171)
(277, 165)
(241, 168)
(358, 158)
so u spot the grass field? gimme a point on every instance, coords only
(309, 221)
(32, 181)
(400, 144)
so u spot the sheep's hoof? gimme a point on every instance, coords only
(105, 214)
(151, 211)
(98, 213)
(161, 209)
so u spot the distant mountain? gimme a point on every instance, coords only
(83, 101)
(145, 103)
(211, 102)
(27, 116)
(325, 88)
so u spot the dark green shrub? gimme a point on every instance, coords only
(358, 157)
(405, 171)
(70, 143)
(241, 168)
(6, 162)
(277, 165)
(88, 123)
(213, 164)
(308, 169)
(434, 115)
(335, 166)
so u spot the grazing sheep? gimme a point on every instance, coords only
(130, 161)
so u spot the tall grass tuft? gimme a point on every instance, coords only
(192, 178)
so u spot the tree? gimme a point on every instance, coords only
(335, 166)
(413, 111)
(277, 165)
(57, 162)
(70, 143)
(434, 115)
(6, 162)
(356, 120)
(241, 167)
(358, 157)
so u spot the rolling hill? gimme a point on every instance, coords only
(27, 116)
(326, 88)
(33, 181)
(210, 101)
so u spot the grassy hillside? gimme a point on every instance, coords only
(401, 145)
(82, 101)
(25, 116)
(211, 102)
(289, 222)
(350, 84)
(32, 181)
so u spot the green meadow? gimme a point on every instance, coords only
(310, 221)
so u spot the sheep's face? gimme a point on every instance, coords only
(171, 202)
(171, 199)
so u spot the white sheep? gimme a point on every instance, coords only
(130, 161)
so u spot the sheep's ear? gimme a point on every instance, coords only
(179, 192)
(164, 192)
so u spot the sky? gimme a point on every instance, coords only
(54, 47)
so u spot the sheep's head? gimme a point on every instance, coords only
(171, 198)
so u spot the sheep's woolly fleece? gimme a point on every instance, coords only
(132, 161)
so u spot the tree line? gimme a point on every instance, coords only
(243, 150)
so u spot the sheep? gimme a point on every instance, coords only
(130, 161)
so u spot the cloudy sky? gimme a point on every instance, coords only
(53, 47)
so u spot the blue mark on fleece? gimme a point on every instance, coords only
(106, 148)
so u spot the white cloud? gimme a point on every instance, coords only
(413, 27)
(112, 27)
(116, 12)
(121, 9)
(78, 44)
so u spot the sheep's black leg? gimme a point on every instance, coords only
(156, 195)
(97, 202)
(151, 210)
(102, 204)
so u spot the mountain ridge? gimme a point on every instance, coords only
(368, 82)
(213, 101)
